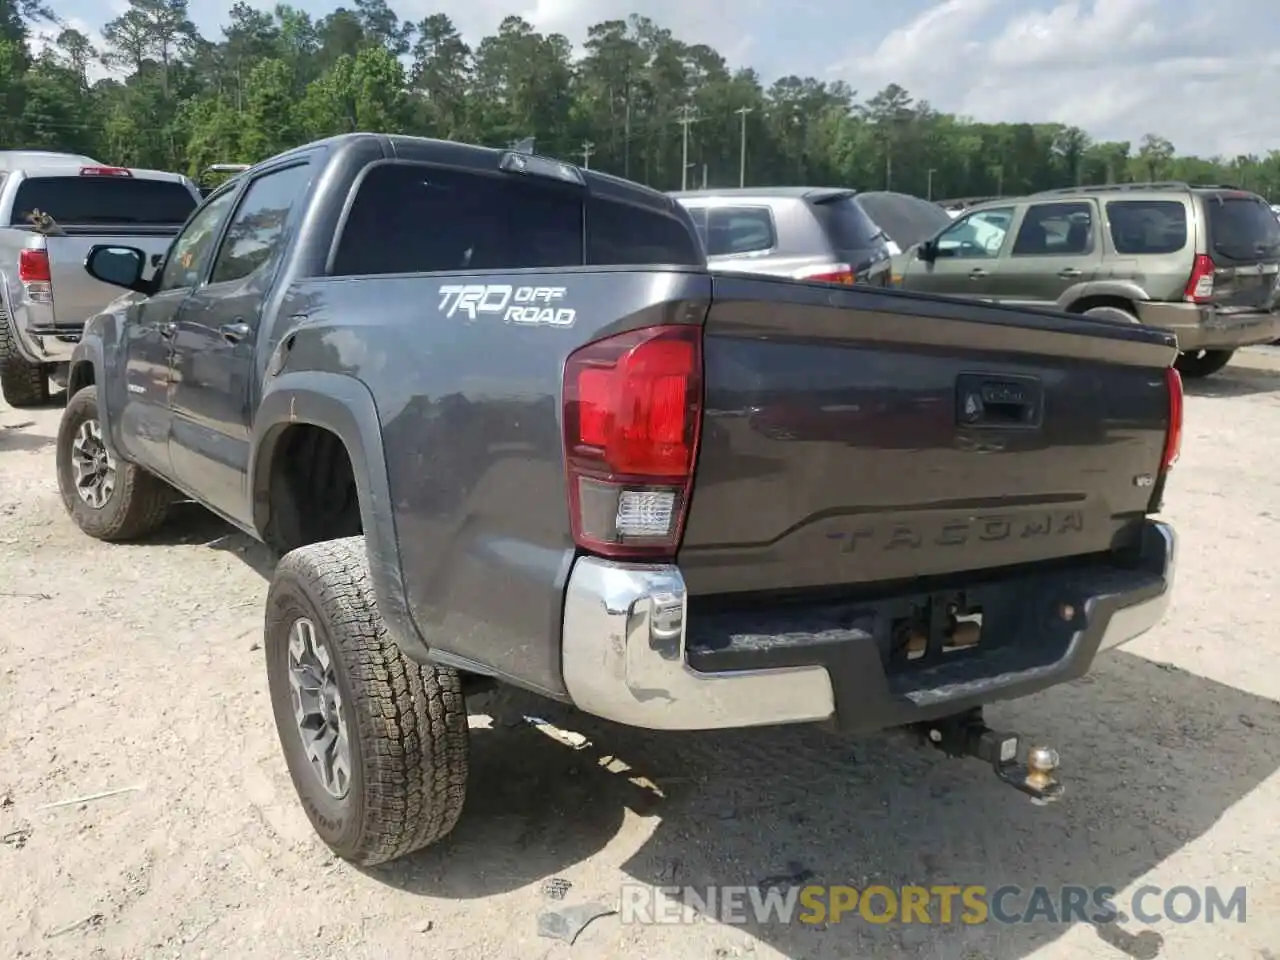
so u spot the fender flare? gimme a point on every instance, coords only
(1123, 289)
(89, 350)
(345, 407)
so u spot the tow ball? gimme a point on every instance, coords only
(966, 735)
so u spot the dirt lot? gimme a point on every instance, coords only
(140, 667)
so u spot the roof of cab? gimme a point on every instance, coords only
(764, 193)
(20, 159)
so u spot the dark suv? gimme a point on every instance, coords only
(1200, 261)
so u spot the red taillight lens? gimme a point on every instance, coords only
(1200, 287)
(1173, 440)
(837, 276)
(33, 266)
(105, 172)
(632, 412)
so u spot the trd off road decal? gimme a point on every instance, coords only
(527, 306)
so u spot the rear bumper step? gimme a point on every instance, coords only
(632, 653)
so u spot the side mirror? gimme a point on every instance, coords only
(927, 251)
(118, 266)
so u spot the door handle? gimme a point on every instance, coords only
(977, 273)
(1071, 273)
(167, 330)
(234, 332)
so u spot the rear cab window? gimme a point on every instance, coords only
(1150, 227)
(1242, 228)
(85, 200)
(496, 222)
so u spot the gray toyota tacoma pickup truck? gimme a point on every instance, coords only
(502, 426)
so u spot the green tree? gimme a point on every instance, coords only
(631, 100)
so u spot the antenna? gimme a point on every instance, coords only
(523, 146)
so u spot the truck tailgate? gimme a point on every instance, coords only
(78, 296)
(854, 436)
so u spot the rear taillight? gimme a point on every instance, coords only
(1200, 287)
(105, 172)
(33, 273)
(1173, 439)
(33, 266)
(832, 276)
(632, 412)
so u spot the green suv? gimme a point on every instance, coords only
(1202, 262)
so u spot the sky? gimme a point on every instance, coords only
(1201, 74)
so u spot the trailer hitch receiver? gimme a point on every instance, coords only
(967, 735)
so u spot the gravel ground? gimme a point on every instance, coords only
(140, 667)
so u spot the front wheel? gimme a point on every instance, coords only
(106, 497)
(376, 744)
(1201, 363)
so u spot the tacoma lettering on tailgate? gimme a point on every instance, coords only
(989, 528)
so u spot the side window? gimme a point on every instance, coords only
(619, 234)
(1055, 230)
(256, 233)
(415, 218)
(1147, 226)
(979, 236)
(739, 230)
(191, 250)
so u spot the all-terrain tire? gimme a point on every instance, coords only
(138, 504)
(406, 723)
(23, 384)
(1200, 363)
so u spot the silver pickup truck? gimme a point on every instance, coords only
(53, 210)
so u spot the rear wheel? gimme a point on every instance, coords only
(107, 498)
(23, 384)
(1201, 363)
(1116, 314)
(376, 744)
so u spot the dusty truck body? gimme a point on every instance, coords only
(539, 444)
(53, 209)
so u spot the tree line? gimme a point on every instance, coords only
(635, 100)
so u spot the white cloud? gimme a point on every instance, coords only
(46, 37)
(693, 21)
(1199, 75)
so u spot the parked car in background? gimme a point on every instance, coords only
(806, 233)
(1200, 261)
(905, 219)
(53, 209)
(959, 205)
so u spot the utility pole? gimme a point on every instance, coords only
(626, 139)
(588, 148)
(929, 195)
(687, 119)
(742, 149)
